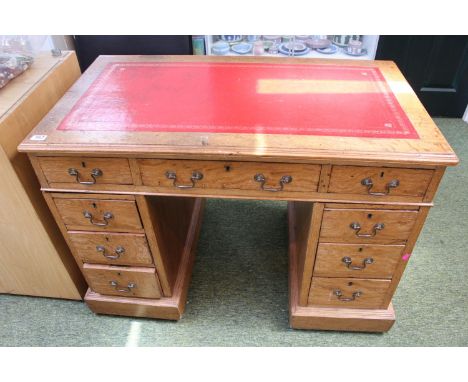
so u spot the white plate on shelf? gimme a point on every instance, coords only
(242, 48)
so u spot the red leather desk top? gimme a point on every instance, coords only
(248, 98)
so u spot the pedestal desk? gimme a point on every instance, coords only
(127, 156)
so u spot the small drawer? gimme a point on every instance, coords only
(366, 226)
(111, 248)
(85, 214)
(90, 172)
(379, 181)
(123, 281)
(251, 177)
(357, 260)
(348, 292)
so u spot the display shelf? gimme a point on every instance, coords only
(369, 42)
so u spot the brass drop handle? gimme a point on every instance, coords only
(357, 228)
(339, 294)
(348, 262)
(106, 217)
(369, 184)
(118, 252)
(95, 172)
(196, 175)
(284, 180)
(126, 289)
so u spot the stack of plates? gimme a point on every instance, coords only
(318, 43)
(293, 48)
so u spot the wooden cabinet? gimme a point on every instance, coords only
(34, 258)
(349, 147)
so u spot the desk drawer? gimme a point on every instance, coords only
(379, 181)
(90, 172)
(357, 260)
(348, 292)
(254, 177)
(366, 226)
(111, 248)
(85, 214)
(123, 281)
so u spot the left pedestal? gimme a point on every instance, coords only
(136, 252)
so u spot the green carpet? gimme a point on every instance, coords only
(239, 288)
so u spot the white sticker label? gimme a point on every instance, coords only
(38, 138)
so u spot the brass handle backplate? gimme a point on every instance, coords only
(349, 263)
(196, 175)
(262, 180)
(118, 252)
(339, 294)
(369, 184)
(106, 217)
(118, 288)
(357, 228)
(95, 172)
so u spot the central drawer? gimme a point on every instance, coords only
(85, 214)
(366, 225)
(123, 281)
(254, 177)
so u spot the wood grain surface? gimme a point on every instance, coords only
(130, 281)
(135, 248)
(329, 260)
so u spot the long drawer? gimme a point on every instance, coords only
(85, 214)
(367, 225)
(123, 281)
(348, 292)
(90, 172)
(254, 177)
(111, 248)
(379, 181)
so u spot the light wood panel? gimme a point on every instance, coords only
(123, 281)
(34, 258)
(111, 248)
(167, 221)
(306, 226)
(407, 252)
(367, 261)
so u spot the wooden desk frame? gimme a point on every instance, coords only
(142, 179)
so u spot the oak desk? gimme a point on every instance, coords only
(127, 156)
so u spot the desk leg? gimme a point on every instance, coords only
(301, 257)
(170, 307)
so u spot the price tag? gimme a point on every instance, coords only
(38, 138)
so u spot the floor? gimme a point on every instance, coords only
(238, 294)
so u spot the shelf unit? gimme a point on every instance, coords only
(369, 42)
